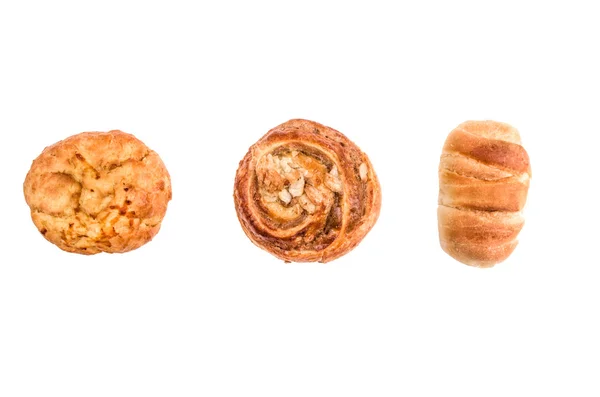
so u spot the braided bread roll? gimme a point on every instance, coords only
(305, 193)
(484, 178)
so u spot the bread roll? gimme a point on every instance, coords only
(305, 193)
(484, 178)
(98, 192)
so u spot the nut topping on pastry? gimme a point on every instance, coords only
(302, 193)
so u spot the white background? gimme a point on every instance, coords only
(200, 311)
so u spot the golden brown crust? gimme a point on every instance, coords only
(478, 238)
(484, 178)
(98, 192)
(305, 193)
(496, 153)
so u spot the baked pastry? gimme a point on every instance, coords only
(305, 193)
(98, 192)
(484, 178)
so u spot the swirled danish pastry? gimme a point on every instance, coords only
(306, 193)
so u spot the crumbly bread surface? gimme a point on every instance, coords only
(98, 192)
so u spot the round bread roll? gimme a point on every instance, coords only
(98, 192)
(484, 178)
(305, 193)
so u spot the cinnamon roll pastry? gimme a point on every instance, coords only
(306, 193)
(484, 178)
